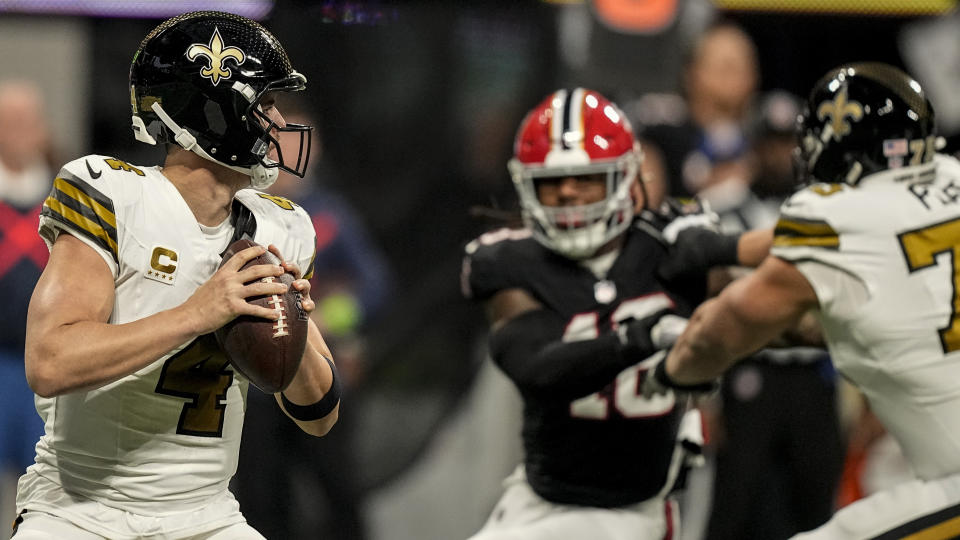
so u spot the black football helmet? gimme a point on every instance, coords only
(861, 119)
(197, 80)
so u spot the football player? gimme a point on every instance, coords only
(872, 249)
(143, 412)
(560, 294)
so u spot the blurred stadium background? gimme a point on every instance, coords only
(417, 103)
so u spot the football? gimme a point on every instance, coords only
(266, 352)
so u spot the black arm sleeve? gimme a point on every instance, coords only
(530, 351)
(696, 250)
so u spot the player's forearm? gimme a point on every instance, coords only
(569, 370)
(726, 329)
(313, 382)
(703, 351)
(529, 350)
(748, 314)
(754, 246)
(88, 354)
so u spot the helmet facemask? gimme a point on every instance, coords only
(573, 133)
(807, 152)
(268, 133)
(577, 232)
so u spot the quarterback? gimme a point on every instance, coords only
(142, 411)
(872, 249)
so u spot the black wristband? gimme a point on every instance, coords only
(723, 250)
(318, 410)
(660, 374)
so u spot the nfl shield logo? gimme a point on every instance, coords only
(604, 291)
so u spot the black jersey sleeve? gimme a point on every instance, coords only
(529, 350)
(492, 263)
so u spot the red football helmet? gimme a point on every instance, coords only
(572, 133)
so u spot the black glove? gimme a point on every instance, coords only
(697, 249)
(643, 337)
(658, 382)
(692, 235)
(685, 212)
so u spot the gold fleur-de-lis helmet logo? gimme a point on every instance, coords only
(216, 55)
(839, 110)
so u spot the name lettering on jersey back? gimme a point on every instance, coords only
(935, 196)
(163, 265)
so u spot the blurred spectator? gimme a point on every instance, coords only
(719, 82)
(777, 440)
(351, 283)
(751, 173)
(25, 180)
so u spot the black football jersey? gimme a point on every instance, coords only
(611, 447)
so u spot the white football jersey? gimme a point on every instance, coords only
(884, 260)
(165, 438)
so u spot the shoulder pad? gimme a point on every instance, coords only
(284, 223)
(96, 167)
(805, 224)
(947, 164)
(82, 200)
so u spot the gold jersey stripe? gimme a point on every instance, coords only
(802, 227)
(309, 272)
(947, 529)
(832, 242)
(943, 523)
(74, 192)
(93, 228)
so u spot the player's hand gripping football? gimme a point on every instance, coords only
(224, 296)
(268, 351)
(300, 284)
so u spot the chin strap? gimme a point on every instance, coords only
(261, 177)
(182, 137)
